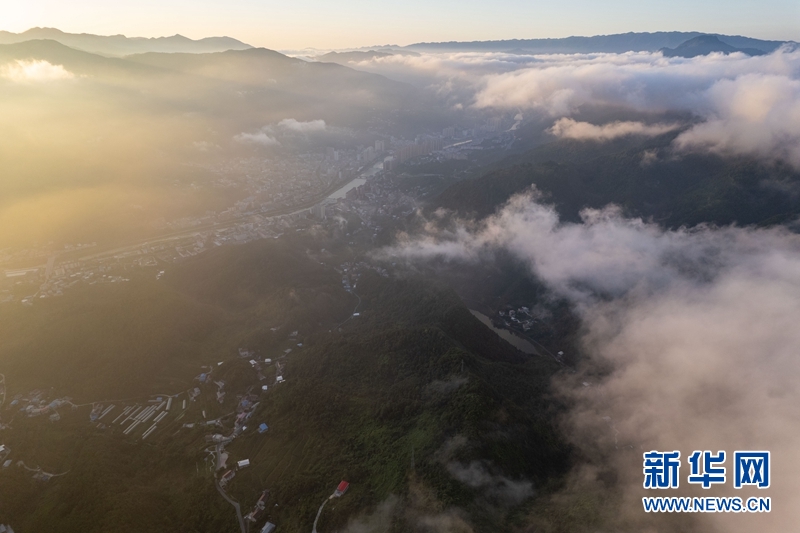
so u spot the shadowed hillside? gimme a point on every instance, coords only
(674, 191)
(414, 374)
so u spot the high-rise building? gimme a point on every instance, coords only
(494, 124)
(319, 212)
(421, 148)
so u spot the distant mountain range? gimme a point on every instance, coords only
(673, 43)
(343, 57)
(232, 83)
(120, 45)
(619, 43)
(707, 44)
(358, 55)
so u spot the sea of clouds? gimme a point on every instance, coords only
(697, 326)
(689, 335)
(741, 105)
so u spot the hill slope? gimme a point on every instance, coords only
(706, 44)
(133, 126)
(415, 376)
(688, 190)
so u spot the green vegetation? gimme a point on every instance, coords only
(415, 374)
(673, 191)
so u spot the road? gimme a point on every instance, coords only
(78, 255)
(235, 504)
(183, 233)
(314, 530)
(354, 310)
(219, 449)
(39, 470)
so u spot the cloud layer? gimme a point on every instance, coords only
(34, 71)
(743, 105)
(754, 114)
(303, 127)
(568, 128)
(697, 327)
(261, 138)
(497, 487)
(268, 135)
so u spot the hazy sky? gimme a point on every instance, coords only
(352, 23)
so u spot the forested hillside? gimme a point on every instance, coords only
(410, 395)
(644, 178)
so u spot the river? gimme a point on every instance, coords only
(513, 340)
(356, 182)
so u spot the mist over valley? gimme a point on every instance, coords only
(244, 289)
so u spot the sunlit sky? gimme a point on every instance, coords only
(354, 23)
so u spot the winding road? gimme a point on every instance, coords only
(314, 530)
(235, 504)
(39, 470)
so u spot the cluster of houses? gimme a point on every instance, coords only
(37, 404)
(258, 510)
(4, 453)
(520, 318)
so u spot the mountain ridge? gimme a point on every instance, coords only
(120, 45)
(704, 45)
(613, 43)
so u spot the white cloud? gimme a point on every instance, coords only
(649, 157)
(754, 114)
(259, 138)
(303, 127)
(33, 71)
(649, 82)
(268, 135)
(743, 105)
(695, 328)
(571, 129)
(605, 254)
(204, 146)
(746, 105)
(478, 476)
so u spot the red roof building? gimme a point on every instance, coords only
(342, 488)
